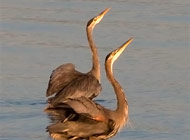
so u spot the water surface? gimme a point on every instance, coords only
(37, 36)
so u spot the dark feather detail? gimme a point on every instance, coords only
(84, 85)
(60, 77)
(82, 128)
(86, 107)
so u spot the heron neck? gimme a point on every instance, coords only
(95, 60)
(122, 104)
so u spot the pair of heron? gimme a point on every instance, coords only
(79, 117)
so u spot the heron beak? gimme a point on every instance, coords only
(102, 14)
(119, 50)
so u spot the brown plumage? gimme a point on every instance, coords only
(85, 119)
(66, 82)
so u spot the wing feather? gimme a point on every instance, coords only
(60, 77)
(86, 107)
(83, 85)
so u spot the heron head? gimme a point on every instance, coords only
(114, 55)
(91, 23)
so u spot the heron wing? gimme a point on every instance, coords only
(79, 126)
(84, 85)
(60, 77)
(77, 129)
(88, 119)
(86, 107)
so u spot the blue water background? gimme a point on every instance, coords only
(36, 36)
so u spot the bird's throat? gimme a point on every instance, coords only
(95, 60)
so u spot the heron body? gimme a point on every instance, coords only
(86, 119)
(66, 82)
(84, 85)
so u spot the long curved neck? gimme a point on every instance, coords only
(120, 115)
(122, 104)
(95, 60)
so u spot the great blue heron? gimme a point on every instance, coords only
(88, 120)
(67, 82)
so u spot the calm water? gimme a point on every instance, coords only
(38, 35)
